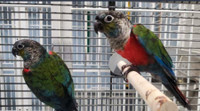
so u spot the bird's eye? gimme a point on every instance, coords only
(20, 46)
(108, 18)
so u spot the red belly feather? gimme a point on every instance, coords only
(135, 53)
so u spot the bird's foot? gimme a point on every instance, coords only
(130, 68)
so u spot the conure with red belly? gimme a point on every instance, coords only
(141, 47)
(46, 75)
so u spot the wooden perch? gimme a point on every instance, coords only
(155, 99)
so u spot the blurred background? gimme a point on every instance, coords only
(67, 29)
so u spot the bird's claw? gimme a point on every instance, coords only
(130, 68)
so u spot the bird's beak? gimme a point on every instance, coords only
(14, 51)
(98, 26)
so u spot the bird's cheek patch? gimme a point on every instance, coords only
(21, 53)
(50, 53)
(26, 71)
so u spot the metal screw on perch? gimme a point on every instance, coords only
(155, 99)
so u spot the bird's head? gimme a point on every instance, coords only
(28, 49)
(115, 25)
(112, 23)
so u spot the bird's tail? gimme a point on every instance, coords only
(75, 105)
(172, 87)
(72, 106)
(169, 81)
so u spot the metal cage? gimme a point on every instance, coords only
(67, 28)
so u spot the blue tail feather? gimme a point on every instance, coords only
(169, 81)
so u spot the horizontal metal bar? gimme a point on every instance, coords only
(96, 53)
(85, 53)
(196, 62)
(89, 105)
(101, 46)
(97, 68)
(58, 37)
(16, 83)
(71, 20)
(21, 5)
(75, 61)
(86, 83)
(161, 16)
(53, 37)
(52, 29)
(107, 6)
(137, 10)
(43, 12)
(127, 98)
(84, 5)
(95, 91)
(105, 76)
(80, 98)
(66, 45)
(96, 98)
(92, 83)
(60, 20)
(108, 76)
(88, 68)
(78, 105)
(72, 76)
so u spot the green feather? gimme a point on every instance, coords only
(152, 43)
(51, 77)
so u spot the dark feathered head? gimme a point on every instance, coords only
(111, 23)
(28, 49)
(115, 25)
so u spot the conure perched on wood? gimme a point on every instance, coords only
(46, 75)
(141, 47)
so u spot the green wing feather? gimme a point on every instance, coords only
(50, 80)
(64, 76)
(54, 74)
(152, 43)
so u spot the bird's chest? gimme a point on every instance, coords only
(135, 53)
(42, 84)
(39, 77)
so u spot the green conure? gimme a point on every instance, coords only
(141, 47)
(46, 75)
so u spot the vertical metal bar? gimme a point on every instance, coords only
(85, 71)
(129, 13)
(127, 84)
(111, 5)
(189, 57)
(198, 100)
(110, 108)
(99, 72)
(127, 96)
(160, 20)
(88, 32)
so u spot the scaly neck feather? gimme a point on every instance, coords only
(118, 42)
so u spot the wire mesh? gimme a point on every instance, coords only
(67, 28)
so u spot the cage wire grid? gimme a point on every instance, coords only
(67, 29)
